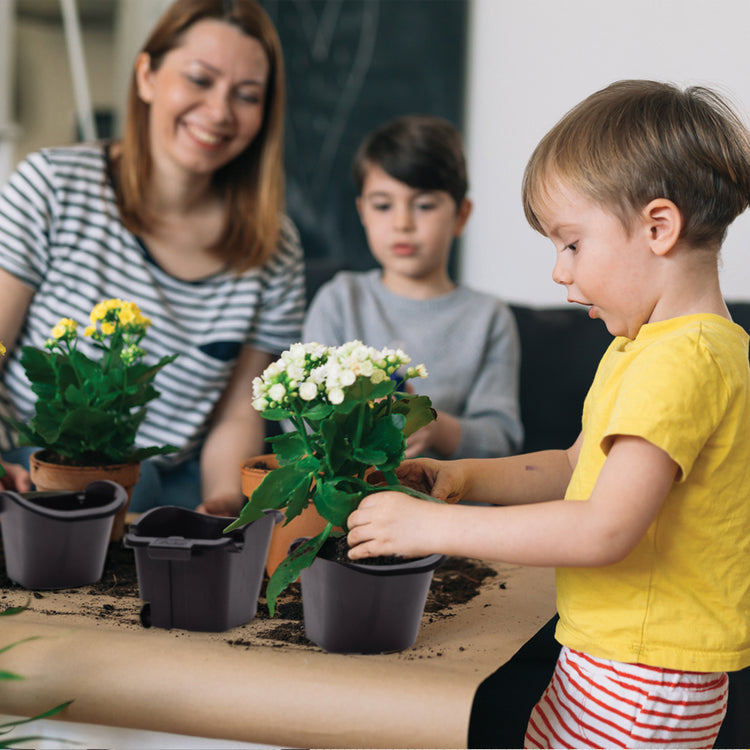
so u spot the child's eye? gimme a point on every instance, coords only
(573, 246)
(426, 206)
(381, 206)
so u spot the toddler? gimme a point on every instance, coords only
(646, 516)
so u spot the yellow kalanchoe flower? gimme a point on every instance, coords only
(100, 311)
(2, 349)
(65, 327)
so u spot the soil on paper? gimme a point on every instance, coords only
(115, 598)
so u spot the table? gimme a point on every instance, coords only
(240, 686)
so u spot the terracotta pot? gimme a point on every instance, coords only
(48, 476)
(307, 523)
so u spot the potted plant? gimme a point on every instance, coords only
(88, 411)
(351, 417)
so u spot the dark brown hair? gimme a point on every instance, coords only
(423, 152)
(637, 140)
(253, 182)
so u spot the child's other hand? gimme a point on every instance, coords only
(390, 523)
(16, 478)
(443, 480)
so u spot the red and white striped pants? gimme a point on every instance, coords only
(596, 703)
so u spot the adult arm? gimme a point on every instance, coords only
(237, 432)
(595, 531)
(15, 297)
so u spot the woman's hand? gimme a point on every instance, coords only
(16, 477)
(224, 505)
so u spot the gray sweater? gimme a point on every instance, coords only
(467, 340)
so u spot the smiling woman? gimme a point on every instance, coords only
(184, 216)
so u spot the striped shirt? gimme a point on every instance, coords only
(60, 234)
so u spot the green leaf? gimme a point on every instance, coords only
(288, 447)
(279, 485)
(16, 610)
(369, 455)
(248, 514)
(335, 500)
(418, 411)
(38, 365)
(289, 569)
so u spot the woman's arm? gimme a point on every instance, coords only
(15, 298)
(237, 432)
(600, 530)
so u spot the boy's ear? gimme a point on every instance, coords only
(462, 216)
(663, 221)
(143, 77)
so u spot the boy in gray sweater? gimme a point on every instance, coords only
(412, 183)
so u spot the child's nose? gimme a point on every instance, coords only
(560, 271)
(403, 218)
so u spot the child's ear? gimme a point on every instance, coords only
(663, 221)
(462, 216)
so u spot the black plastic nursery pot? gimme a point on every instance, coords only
(362, 608)
(194, 576)
(58, 540)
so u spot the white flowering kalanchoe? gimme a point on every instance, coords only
(311, 372)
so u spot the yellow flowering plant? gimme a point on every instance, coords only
(88, 410)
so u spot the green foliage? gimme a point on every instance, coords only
(347, 425)
(9, 726)
(87, 410)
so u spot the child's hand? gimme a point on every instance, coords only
(16, 478)
(390, 523)
(443, 480)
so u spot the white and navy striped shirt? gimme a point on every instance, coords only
(60, 233)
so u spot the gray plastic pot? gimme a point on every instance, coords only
(358, 608)
(194, 576)
(58, 540)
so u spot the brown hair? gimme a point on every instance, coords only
(635, 141)
(253, 182)
(423, 152)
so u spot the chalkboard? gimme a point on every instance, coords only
(350, 66)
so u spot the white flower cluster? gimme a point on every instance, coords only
(311, 371)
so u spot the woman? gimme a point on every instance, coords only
(184, 217)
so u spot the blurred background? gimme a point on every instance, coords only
(502, 71)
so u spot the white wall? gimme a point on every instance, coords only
(530, 61)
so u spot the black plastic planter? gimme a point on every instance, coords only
(58, 540)
(365, 609)
(194, 576)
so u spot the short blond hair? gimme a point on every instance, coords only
(635, 141)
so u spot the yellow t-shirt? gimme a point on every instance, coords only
(681, 598)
